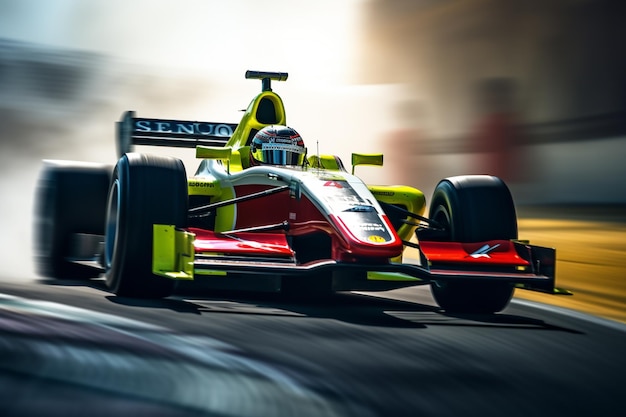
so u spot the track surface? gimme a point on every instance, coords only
(74, 349)
(84, 351)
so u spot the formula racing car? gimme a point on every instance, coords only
(262, 213)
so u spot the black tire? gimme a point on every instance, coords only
(473, 208)
(145, 190)
(70, 198)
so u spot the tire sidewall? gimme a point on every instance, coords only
(444, 207)
(149, 190)
(474, 209)
(115, 229)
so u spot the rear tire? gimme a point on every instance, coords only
(70, 198)
(473, 208)
(145, 190)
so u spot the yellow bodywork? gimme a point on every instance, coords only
(410, 198)
(204, 186)
(375, 159)
(172, 252)
(328, 162)
(265, 109)
(390, 276)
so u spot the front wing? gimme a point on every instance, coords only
(184, 255)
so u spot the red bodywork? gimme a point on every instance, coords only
(503, 253)
(268, 232)
(303, 218)
(266, 244)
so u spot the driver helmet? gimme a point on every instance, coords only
(278, 145)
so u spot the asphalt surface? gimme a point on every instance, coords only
(73, 348)
(70, 348)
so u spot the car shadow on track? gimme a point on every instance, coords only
(353, 308)
(502, 320)
(341, 307)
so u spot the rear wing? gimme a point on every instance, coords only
(133, 130)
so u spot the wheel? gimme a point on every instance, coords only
(70, 198)
(145, 190)
(473, 208)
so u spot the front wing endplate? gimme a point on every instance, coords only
(172, 252)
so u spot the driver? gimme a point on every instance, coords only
(277, 145)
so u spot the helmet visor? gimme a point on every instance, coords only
(280, 154)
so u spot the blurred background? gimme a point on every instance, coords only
(532, 91)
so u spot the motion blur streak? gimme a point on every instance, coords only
(591, 260)
(532, 91)
(52, 342)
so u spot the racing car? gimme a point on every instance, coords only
(262, 213)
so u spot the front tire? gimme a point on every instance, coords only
(473, 208)
(145, 190)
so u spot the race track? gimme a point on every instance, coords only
(73, 348)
